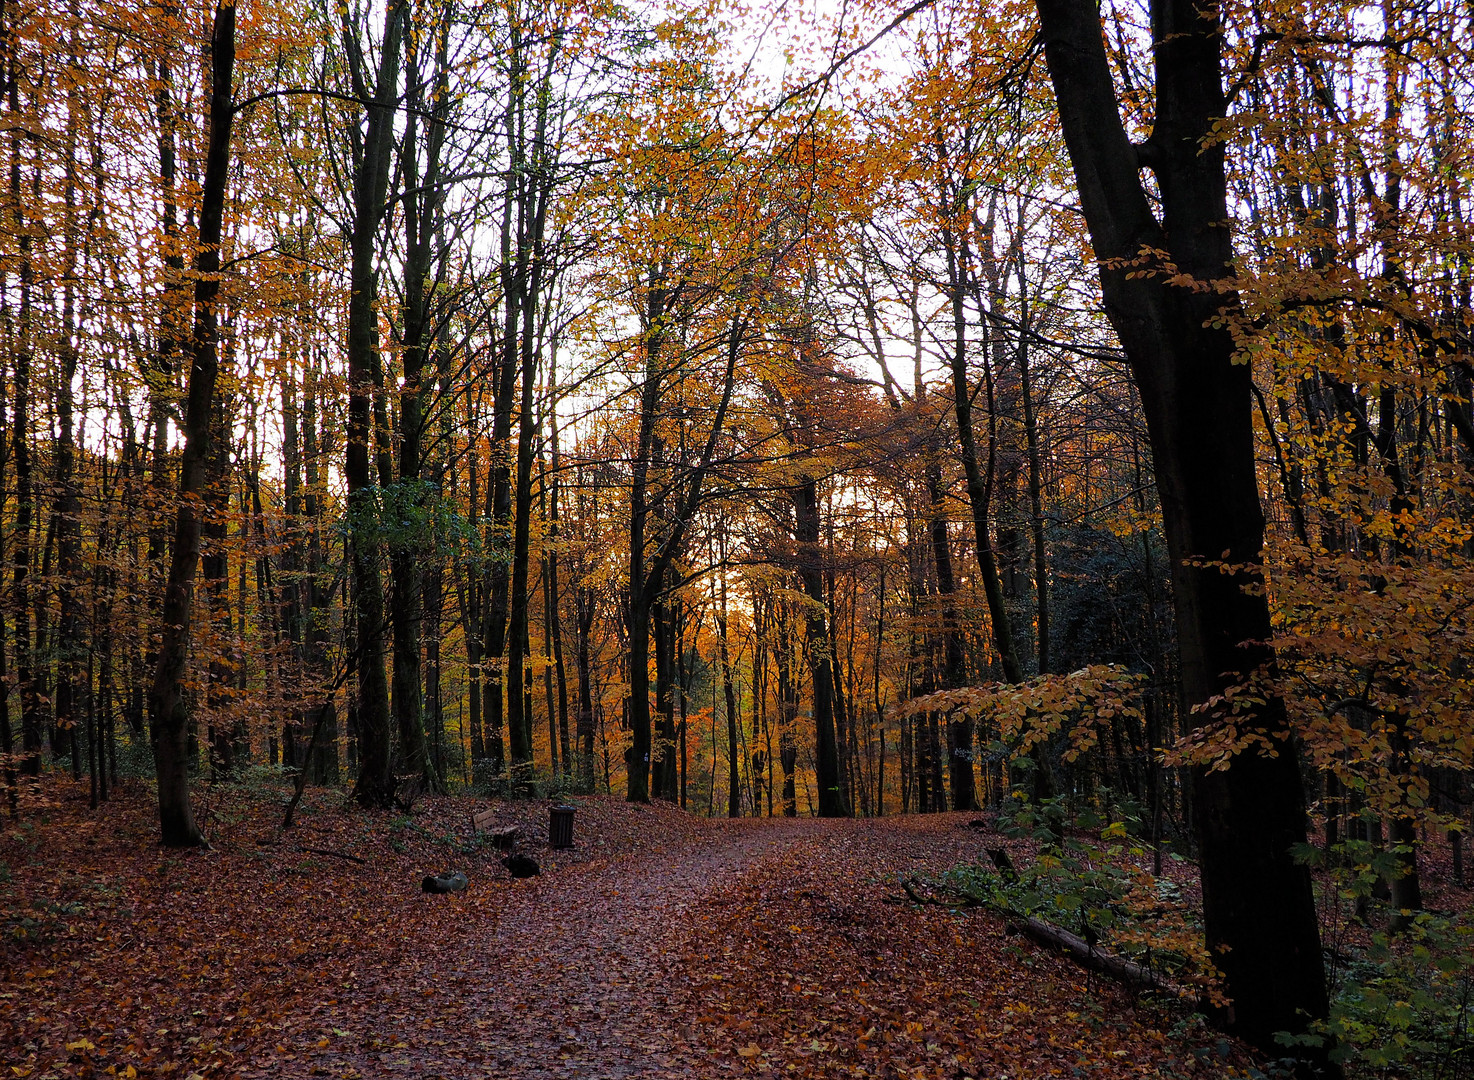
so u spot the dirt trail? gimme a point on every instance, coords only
(665, 947)
(573, 976)
(597, 947)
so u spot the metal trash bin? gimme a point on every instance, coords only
(560, 827)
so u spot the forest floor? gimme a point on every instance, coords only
(661, 945)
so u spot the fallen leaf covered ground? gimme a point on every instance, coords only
(662, 945)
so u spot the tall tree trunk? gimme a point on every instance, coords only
(641, 601)
(954, 668)
(729, 697)
(761, 770)
(469, 593)
(325, 757)
(665, 615)
(583, 599)
(215, 569)
(422, 208)
(167, 708)
(71, 676)
(979, 481)
(843, 720)
(553, 616)
(7, 732)
(31, 737)
(519, 718)
(787, 709)
(811, 571)
(375, 786)
(648, 571)
(1258, 909)
(1036, 479)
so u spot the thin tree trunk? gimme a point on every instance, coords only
(729, 697)
(168, 711)
(554, 617)
(583, 598)
(71, 678)
(1036, 479)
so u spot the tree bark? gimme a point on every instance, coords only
(21, 448)
(729, 696)
(1036, 481)
(375, 786)
(167, 708)
(583, 599)
(1258, 909)
(811, 572)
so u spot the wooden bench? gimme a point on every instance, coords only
(503, 838)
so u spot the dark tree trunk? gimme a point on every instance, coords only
(664, 614)
(7, 733)
(519, 718)
(375, 786)
(1036, 487)
(30, 704)
(167, 708)
(729, 699)
(642, 597)
(1258, 909)
(979, 479)
(761, 780)
(811, 571)
(470, 594)
(788, 711)
(434, 718)
(954, 671)
(553, 615)
(583, 598)
(72, 679)
(422, 202)
(325, 758)
(215, 569)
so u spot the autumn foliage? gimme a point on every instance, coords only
(1043, 410)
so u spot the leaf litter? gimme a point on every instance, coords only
(662, 945)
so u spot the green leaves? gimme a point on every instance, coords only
(410, 515)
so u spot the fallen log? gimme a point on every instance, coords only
(1088, 956)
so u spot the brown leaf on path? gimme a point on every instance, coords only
(661, 945)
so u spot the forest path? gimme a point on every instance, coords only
(623, 968)
(571, 974)
(575, 977)
(663, 946)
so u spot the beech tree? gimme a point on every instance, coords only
(167, 710)
(1168, 290)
